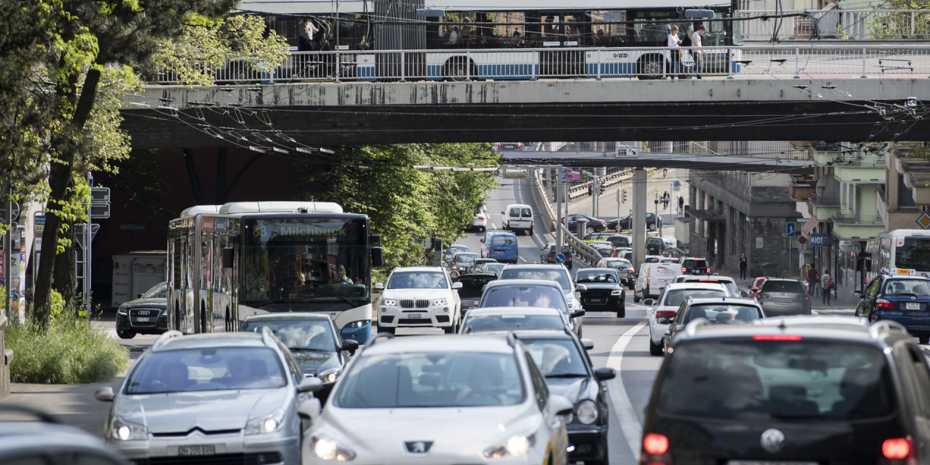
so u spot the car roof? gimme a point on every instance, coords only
(513, 310)
(289, 316)
(712, 286)
(523, 282)
(418, 268)
(541, 334)
(906, 278)
(806, 327)
(201, 341)
(538, 266)
(693, 258)
(449, 343)
(782, 280)
(603, 269)
(723, 300)
(690, 278)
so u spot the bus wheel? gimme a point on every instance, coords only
(651, 67)
(459, 69)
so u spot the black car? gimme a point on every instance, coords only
(568, 371)
(144, 315)
(694, 265)
(717, 311)
(825, 390)
(473, 280)
(602, 290)
(594, 224)
(905, 299)
(653, 222)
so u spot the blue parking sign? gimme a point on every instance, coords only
(791, 228)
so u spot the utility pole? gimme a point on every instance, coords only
(8, 250)
(558, 211)
(595, 193)
(88, 247)
(639, 216)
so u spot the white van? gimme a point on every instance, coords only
(518, 217)
(653, 278)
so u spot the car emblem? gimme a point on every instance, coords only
(418, 447)
(772, 440)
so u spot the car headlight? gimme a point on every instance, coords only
(327, 449)
(440, 302)
(265, 424)
(516, 446)
(122, 430)
(389, 302)
(330, 376)
(122, 310)
(616, 292)
(586, 412)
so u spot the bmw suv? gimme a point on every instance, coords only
(826, 390)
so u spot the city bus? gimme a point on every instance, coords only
(501, 39)
(903, 252)
(229, 262)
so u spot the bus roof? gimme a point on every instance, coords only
(522, 5)
(200, 210)
(245, 208)
(304, 7)
(908, 232)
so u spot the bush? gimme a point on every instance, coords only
(70, 351)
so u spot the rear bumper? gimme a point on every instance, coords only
(779, 309)
(916, 325)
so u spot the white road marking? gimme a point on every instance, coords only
(622, 406)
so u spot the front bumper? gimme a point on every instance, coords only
(611, 304)
(274, 449)
(588, 442)
(419, 318)
(125, 323)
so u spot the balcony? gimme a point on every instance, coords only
(916, 170)
(858, 228)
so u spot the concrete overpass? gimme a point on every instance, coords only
(704, 162)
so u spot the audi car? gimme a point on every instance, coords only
(144, 315)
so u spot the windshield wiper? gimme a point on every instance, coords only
(794, 416)
(567, 375)
(309, 349)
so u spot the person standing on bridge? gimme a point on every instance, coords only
(674, 43)
(697, 48)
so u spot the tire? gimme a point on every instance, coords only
(621, 313)
(636, 298)
(654, 349)
(125, 334)
(651, 67)
(531, 230)
(925, 339)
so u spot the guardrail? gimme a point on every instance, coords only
(581, 190)
(579, 249)
(835, 24)
(775, 62)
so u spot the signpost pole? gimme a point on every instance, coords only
(88, 247)
(558, 208)
(8, 250)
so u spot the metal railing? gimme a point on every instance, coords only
(774, 61)
(835, 24)
(578, 247)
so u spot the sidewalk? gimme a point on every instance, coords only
(73, 404)
(843, 298)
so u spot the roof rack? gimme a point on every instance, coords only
(167, 336)
(883, 327)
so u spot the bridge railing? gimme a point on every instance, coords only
(579, 248)
(835, 24)
(774, 61)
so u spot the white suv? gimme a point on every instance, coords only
(661, 314)
(419, 297)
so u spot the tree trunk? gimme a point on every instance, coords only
(59, 179)
(65, 280)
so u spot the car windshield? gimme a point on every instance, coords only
(465, 259)
(417, 280)
(760, 380)
(524, 296)
(556, 358)
(620, 264)
(918, 287)
(676, 297)
(207, 369)
(559, 276)
(597, 276)
(158, 291)
(723, 314)
(514, 322)
(432, 379)
(312, 334)
(791, 287)
(619, 241)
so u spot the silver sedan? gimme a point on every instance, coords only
(229, 397)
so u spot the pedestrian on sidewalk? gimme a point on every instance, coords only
(812, 278)
(681, 205)
(826, 285)
(743, 265)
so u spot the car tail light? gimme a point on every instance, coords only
(897, 448)
(631, 270)
(883, 304)
(665, 313)
(657, 444)
(684, 269)
(708, 270)
(776, 337)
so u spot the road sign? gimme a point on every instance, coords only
(791, 228)
(817, 239)
(100, 203)
(38, 223)
(923, 220)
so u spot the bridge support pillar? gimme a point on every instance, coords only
(639, 217)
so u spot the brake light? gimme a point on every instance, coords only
(897, 448)
(776, 337)
(666, 313)
(708, 270)
(684, 270)
(657, 444)
(883, 304)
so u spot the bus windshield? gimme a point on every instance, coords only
(305, 259)
(914, 254)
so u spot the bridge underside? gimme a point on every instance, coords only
(330, 114)
(704, 162)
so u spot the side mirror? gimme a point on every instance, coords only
(310, 384)
(560, 406)
(503, 213)
(105, 394)
(229, 255)
(587, 344)
(309, 409)
(605, 374)
(457, 285)
(379, 286)
(577, 314)
(350, 345)
(581, 288)
(649, 302)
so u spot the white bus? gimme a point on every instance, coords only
(903, 252)
(229, 262)
(506, 39)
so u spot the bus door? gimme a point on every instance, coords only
(562, 34)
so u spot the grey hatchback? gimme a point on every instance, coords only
(780, 297)
(230, 398)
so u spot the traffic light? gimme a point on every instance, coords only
(602, 189)
(624, 196)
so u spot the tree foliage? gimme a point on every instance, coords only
(901, 24)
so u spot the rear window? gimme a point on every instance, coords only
(787, 380)
(515, 322)
(916, 287)
(521, 212)
(559, 276)
(692, 263)
(502, 240)
(793, 287)
(676, 297)
(524, 296)
(619, 241)
(723, 313)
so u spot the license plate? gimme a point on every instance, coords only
(184, 451)
(912, 306)
(767, 462)
(143, 320)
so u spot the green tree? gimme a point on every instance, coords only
(903, 24)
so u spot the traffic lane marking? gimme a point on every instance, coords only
(621, 405)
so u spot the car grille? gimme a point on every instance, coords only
(410, 303)
(596, 296)
(260, 458)
(144, 312)
(181, 434)
(415, 321)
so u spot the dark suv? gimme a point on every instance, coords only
(826, 390)
(694, 265)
